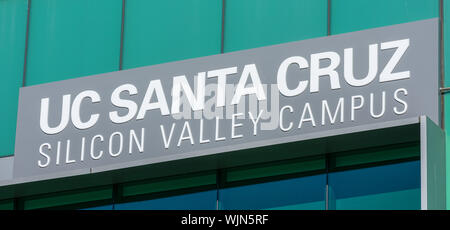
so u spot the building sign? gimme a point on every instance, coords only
(230, 101)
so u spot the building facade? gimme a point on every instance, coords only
(44, 41)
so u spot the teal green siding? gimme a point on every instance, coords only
(447, 144)
(68, 198)
(353, 15)
(256, 23)
(446, 12)
(164, 31)
(383, 154)
(275, 169)
(167, 184)
(13, 22)
(6, 204)
(69, 39)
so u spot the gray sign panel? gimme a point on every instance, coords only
(212, 104)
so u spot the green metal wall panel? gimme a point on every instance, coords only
(446, 27)
(383, 154)
(447, 144)
(275, 169)
(13, 22)
(353, 15)
(69, 39)
(168, 184)
(435, 164)
(7, 204)
(68, 198)
(170, 30)
(446, 12)
(256, 23)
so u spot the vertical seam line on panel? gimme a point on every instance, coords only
(442, 59)
(116, 195)
(122, 30)
(24, 74)
(16, 203)
(329, 18)
(217, 188)
(222, 37)
(19, 204)
(220, 181)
